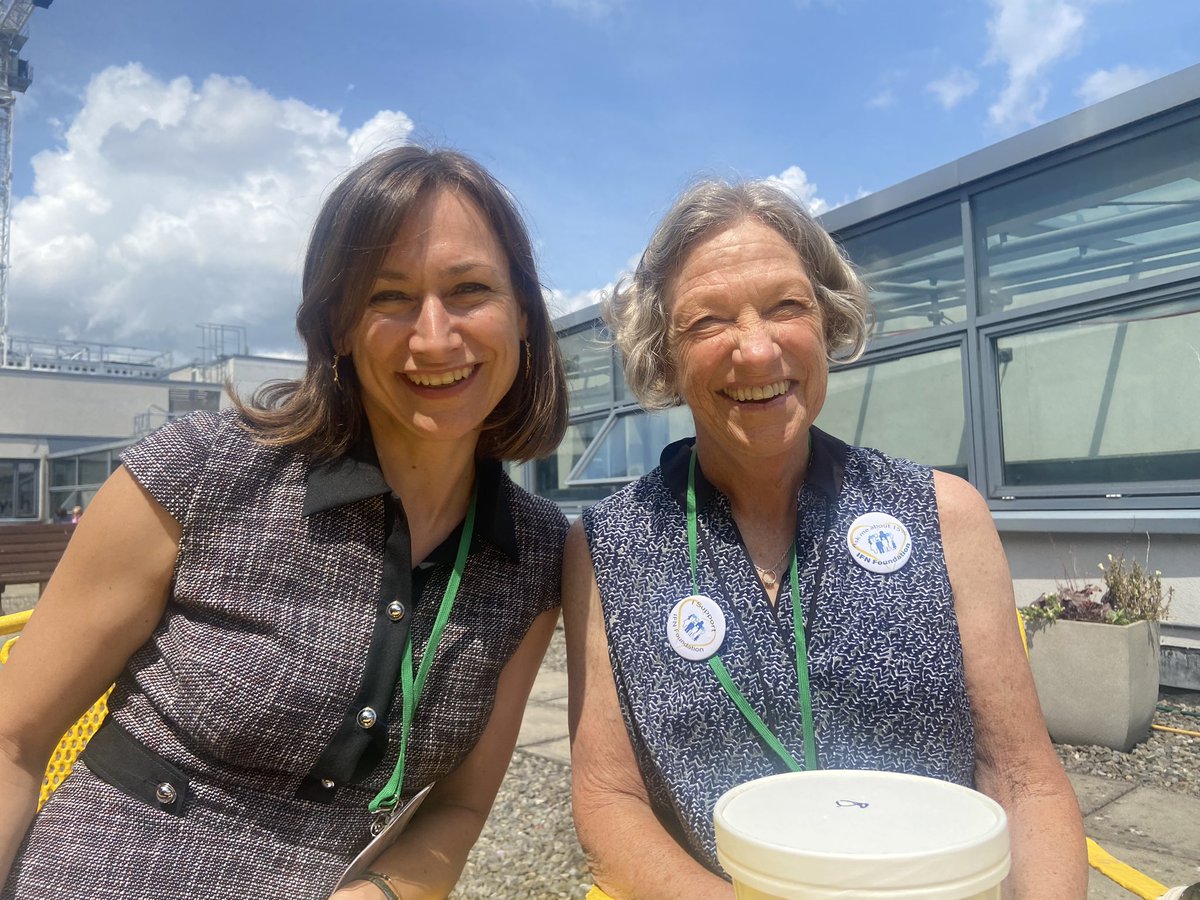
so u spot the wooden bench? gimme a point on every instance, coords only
(30, 553)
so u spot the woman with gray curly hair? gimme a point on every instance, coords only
(770, 598)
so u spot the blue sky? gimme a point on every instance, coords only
(170, 156)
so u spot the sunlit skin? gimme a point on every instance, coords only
(747, 337)
(438, 344)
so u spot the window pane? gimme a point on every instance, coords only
(587, 359)
(915, 270)
(550, 474)
(181, 401)
(1103, 400)
(632, 446)
(93, 467)
(1111, 218)
(910, 407)
(62, 502)
(620, 388)
(62, 472)
(7, 489)
(26, 490)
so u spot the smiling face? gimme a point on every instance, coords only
(747, 338)
(438, 342)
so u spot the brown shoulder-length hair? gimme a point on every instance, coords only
(350, 239)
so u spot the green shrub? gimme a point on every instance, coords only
(1133, 593)
(1130, 594)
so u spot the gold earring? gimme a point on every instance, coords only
(528, 359)
(334, 366)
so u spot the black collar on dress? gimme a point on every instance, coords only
(356, 476)
(826, 468)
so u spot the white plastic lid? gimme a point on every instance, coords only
(861, 830)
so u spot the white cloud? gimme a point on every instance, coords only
(1027, 37)
(955, 87)
(794, 180)
(561, 303)
(1105, 83)
(171, 204)
(590, 9)
(883, 99)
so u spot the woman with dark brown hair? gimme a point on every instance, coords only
(319, 603)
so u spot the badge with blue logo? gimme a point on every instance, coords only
(696, 627)
(879, 542)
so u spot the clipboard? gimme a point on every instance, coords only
(382, 841)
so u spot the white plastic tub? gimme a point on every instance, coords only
(863, 834)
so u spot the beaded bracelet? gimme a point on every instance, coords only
(384, 884)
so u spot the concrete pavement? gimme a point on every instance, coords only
(544, 728)
(1155, 831)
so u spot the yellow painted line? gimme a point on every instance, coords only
(1100, 859)
(1125, 875)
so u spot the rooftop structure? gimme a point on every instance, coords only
(1037, 332)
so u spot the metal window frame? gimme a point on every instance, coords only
(1167, 494)
(623, 411)
(13, 486)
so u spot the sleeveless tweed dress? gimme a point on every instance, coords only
(256, 665)
(885, 660)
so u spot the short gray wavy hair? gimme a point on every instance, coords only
(638, 310)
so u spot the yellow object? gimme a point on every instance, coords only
(14, 622)
(596, 894)
(1100, 859)
(1175, 730)
(1124, 875)
(77, 736)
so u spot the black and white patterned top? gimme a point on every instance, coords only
(276, 631)
(885, 660)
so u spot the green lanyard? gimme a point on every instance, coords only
(718, 667)
(385, 800)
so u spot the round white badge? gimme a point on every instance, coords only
(696, 627)
(879, 542)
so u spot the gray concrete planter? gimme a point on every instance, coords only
(1098, 684)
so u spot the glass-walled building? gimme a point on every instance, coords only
(65, 419)
(1038, 326)
(611, 440)
(1037, 332)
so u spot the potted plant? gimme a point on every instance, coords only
(1094, 654)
